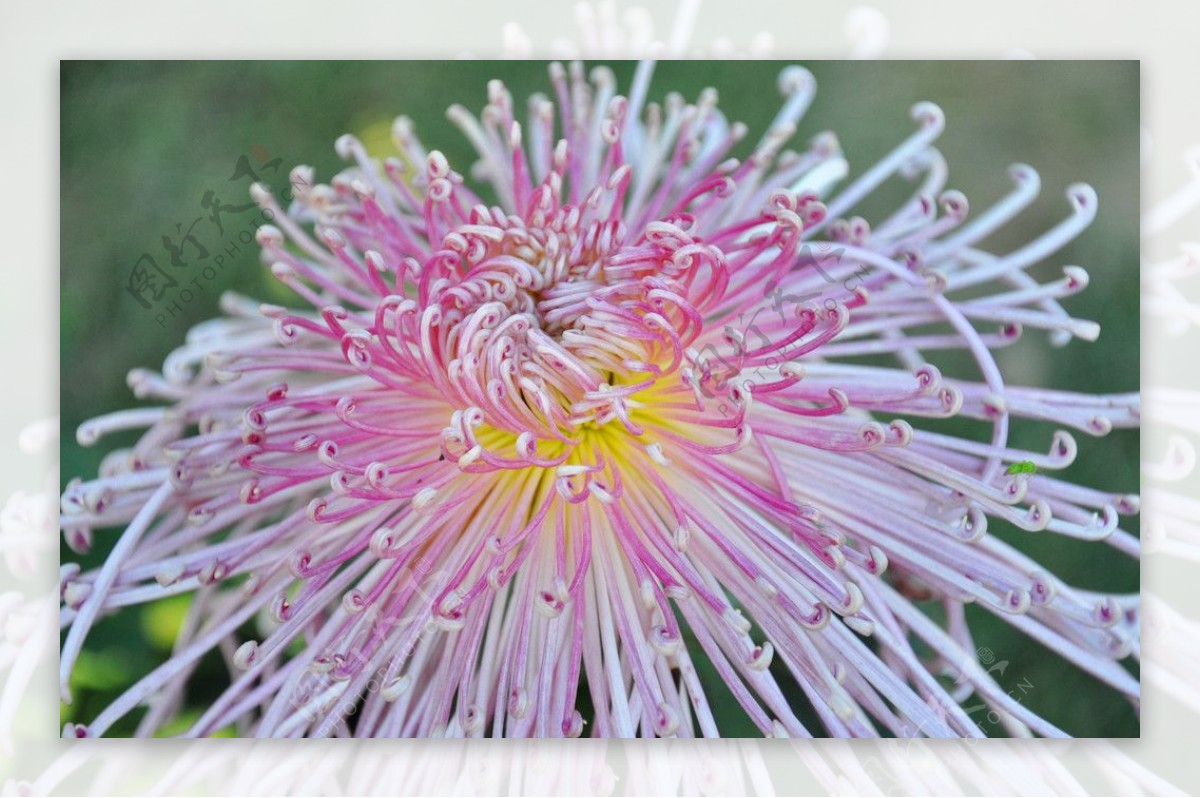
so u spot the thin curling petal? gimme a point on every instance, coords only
(656, 418)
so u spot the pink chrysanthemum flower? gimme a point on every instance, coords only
(517, 469)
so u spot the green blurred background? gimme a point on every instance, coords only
(142, 142)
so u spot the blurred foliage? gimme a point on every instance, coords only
(141, 144)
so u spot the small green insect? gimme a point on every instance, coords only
(1022, 467)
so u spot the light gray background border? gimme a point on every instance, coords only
(33, 37)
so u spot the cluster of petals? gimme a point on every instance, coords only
(613, 436)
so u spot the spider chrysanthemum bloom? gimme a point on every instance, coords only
(522, 468)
